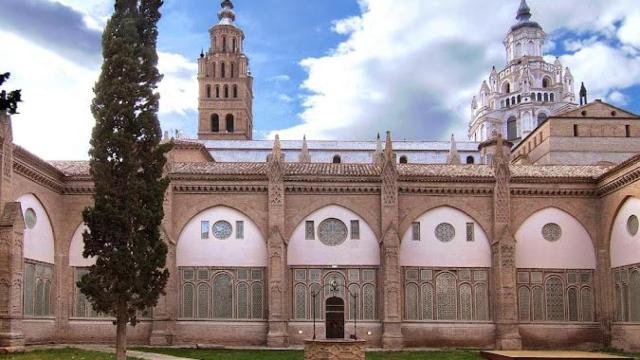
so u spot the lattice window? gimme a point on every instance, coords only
(187, 274)
(257, 297)
(355, 229)
(482, 302)
(203, 275)
(411, 274)
(555, 299)
(301, 301)
(586, 304)
(338, 278)
(315, 275)
(572, 299)
(369, 302)
(445, 232)
(466, 302)
(538, 303)
(634, 294)
(37, 289)
(354, 275)
(243, 274)
(411, 302)
(242, 293)
(524, 303)
(415, 231)
(203, 301)
(300, 274)
(446, 296)
(618, 305)
(427, 302)
(426, 275)
(204, 229)
(239, 229)
(309, 230)
(369, 275)
(551, 232)
(316, 309)
(470, 232)
(354, 302)
(256, 274)
(222, 297)
(187, 300)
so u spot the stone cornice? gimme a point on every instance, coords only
(200, 188)
(323, 188)
(38, 175)
(445, 189)
(619, 177)
(563, 192)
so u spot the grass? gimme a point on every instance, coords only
(60, 354)
(298, 355)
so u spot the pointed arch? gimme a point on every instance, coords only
(192, 250)
(39, 238)
(572, 249)
(469, 247)
(303, 250)
(624, 246)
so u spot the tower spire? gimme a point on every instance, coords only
(524, 12)
(226, 16)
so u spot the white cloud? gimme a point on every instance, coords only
(285, 98)
(281, 78)
(413, 66)
(618, 98)
(179, 87)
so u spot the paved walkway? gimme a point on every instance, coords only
(130, 353)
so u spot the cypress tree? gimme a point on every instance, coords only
(126, 163)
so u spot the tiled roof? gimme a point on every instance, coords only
(215, 168)
(557, 171)
(80, 168)
(438, 170)
(71, 168)
(319, 169)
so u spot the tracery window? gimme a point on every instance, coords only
(215, 293)
(457, 294)
(555, 295)
(512, 128)
(38, 278)
(627, 293)
(309, 281)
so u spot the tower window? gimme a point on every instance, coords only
(546, 97)
(575, 130)
(235, 91)
(539, 97)
(545, 83)
(234, 45)
(230, 123)
(217, 91)
(541, 118)
(519, 99)
(506, 88)
(213, 66)
(215, 123)
(627, 130)
(512, 128)
(226, 91)
(552, 97)
(470, 159)
(224, 44)
(233, 73)
(337, 159)
(403, 159)
(223, 70)
(208, 91)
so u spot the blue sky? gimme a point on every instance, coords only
(330, 69)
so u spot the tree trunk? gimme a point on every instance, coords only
(121, 333)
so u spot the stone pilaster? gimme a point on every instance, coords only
(391, 285)
(11, 270)
(6, 158)
(277, 284)
(503, 254)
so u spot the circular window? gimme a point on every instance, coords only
(445, 232)
(632, 225)
(30, 218)
(222, 230)
(551, 232)
(332, 232)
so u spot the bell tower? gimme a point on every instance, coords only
(225, 101)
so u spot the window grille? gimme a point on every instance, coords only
(355, 229)
(239, 229)
(309, 230)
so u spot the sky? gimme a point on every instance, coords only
(327, 69)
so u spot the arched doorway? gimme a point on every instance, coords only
(334, 318)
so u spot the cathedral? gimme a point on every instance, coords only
(525, 237)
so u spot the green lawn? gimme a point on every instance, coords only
(60, 354)
(298, 355)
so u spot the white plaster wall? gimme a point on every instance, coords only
(77, 247)
(459, 252)
(625, 248)
(365, 251)
(38, 242)
(194, 251)
(574, 249)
